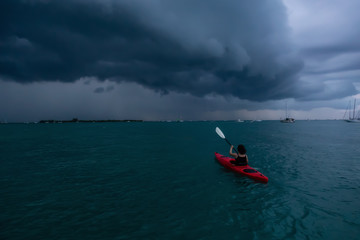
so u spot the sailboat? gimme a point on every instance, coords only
(287, 119)
(354, 117)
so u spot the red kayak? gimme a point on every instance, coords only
(244, 170)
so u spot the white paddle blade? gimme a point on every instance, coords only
(219, 132)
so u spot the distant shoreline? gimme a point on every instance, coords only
(75, 120)
(140, 121)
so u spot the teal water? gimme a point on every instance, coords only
(156, 180)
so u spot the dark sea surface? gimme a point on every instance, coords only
(159, 180)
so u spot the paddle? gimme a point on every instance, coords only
(220, 133)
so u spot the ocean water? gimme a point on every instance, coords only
(159, 180)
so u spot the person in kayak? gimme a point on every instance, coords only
(241, 159)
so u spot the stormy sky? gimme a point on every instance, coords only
(160, 59)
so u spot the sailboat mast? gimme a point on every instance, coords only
(349, 109)
(354, 109)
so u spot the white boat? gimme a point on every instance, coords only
(354, 115)
(287, 119)
(353, 120)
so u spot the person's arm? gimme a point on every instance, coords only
(247, 160)
(231, 153)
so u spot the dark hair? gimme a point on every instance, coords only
(241, 149)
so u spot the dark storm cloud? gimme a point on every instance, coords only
(198, 47)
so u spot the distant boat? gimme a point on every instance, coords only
(240, 120)
(287, 119)
(354, 116)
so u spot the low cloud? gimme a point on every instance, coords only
(326, 33)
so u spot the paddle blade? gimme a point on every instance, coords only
(219, 132)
